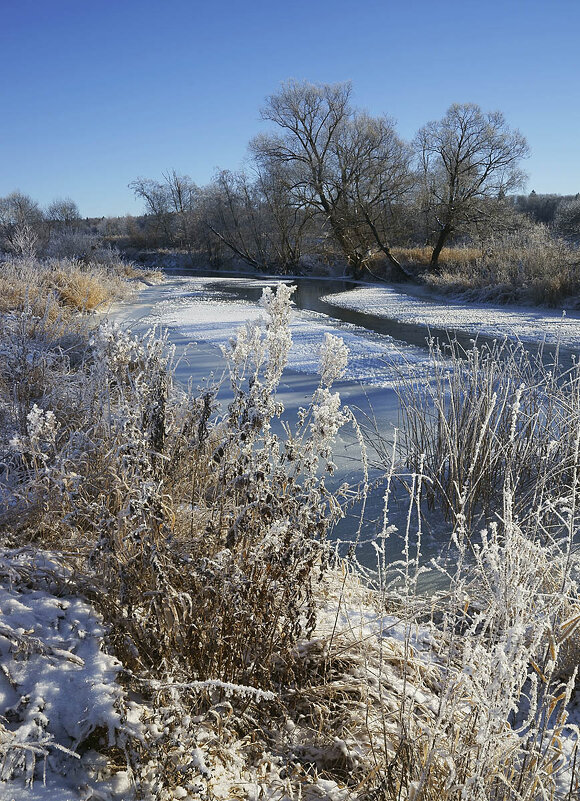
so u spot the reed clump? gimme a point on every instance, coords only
(65, 285)
(492, 414)
(493, 442)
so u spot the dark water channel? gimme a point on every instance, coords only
(309, 295)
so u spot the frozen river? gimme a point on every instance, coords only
(384, 329)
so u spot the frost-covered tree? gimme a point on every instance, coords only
(231, 212)
(344, 166)
(567, 218)
(466, 159)
(21, 223)
(63, 211)
(156, 202)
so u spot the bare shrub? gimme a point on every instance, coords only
(207, 533)
(201, 537)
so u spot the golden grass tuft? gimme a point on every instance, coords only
(71, 284)
(421, 256)
(82, 291)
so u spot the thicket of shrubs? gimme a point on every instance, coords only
(202, 536)
(531, 266)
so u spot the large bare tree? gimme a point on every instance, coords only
(346, 166)
(467, 159)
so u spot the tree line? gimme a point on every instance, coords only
(329, 181)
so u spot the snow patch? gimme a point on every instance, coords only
(529, 325)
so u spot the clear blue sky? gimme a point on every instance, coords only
(94, 94)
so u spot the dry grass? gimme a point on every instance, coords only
(200, 538)
(81, 291)
(73, 285)
(457, 257)
(528, 266)
(490, 415)
(207, 534)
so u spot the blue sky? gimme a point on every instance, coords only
(94, 94)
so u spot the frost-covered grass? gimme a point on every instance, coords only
(199, 536)
(493, 441)
(493, 416)
(60, 285)
(526, 266)
(530, 266)
(58, 688)
(222, 653)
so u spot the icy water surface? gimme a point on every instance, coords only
(385, 331)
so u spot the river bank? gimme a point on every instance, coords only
(184, 554)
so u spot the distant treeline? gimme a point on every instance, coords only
(560, 212)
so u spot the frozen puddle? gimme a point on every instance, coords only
(526, 324)
(204, 314)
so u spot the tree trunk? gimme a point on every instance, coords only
(444, 234)
(400, 272)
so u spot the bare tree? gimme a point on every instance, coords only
(342, 165)
(63, 211)
(157, 205)
(231, 214)
(467, 158)
(183, 194)
(375, 176)
(21, 223)
(172, 204)
(286, 225)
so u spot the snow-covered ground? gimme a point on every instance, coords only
(58, 689)
(526, 324)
